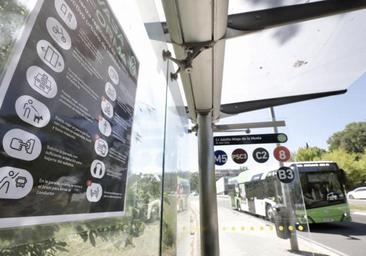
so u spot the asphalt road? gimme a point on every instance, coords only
(348, 238)
(243, 234)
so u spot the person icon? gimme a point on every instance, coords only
(15, 183)
(28, 108)
(5, 182)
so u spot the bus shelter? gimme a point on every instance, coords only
(107, 109)
(238, 57)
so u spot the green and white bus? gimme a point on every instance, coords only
(322, 188)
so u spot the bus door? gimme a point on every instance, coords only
(250, 188)
(243, 197)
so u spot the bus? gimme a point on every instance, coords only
(322, 189)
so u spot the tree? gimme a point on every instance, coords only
(361, 166)
(352, 139)
(353, 164)
(309, 154)
(194, 180)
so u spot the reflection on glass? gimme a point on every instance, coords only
(322, 189)
(136, 232)
(12, 19)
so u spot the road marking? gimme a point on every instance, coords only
(359, 213)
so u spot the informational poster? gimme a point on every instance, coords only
(66, 114)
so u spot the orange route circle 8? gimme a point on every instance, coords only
(281, 153)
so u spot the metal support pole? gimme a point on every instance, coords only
(288, 200)
(207, 184)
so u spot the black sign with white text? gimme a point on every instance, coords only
(250, 139)
(239, 156)
(260, 155)
(285, 174)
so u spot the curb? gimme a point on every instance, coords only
(322, 246)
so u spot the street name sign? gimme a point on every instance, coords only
(250, 139)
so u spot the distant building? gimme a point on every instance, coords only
(227, 173)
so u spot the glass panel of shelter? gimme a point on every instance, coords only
(135, 232)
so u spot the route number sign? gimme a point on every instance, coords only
(282, 154)
(260, 155)
(239, 156)
(285, 174)
(220, 157)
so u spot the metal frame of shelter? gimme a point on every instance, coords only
(198, 30)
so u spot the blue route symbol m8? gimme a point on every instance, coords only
(220, 157)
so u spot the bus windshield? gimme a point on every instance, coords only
(321, 189)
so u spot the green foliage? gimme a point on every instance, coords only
(169, 221)
(352, 139)
(12, 17)
(349, 163)
(111, 231)
(308, 154)
(194, 179)
(34, 240)
(145, 189)
(346, 148)
(142, 190)
(360, 175)
(353, 164)
(45, 248)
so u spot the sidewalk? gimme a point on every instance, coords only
(243, 234)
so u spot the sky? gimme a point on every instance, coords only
(314, 121)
